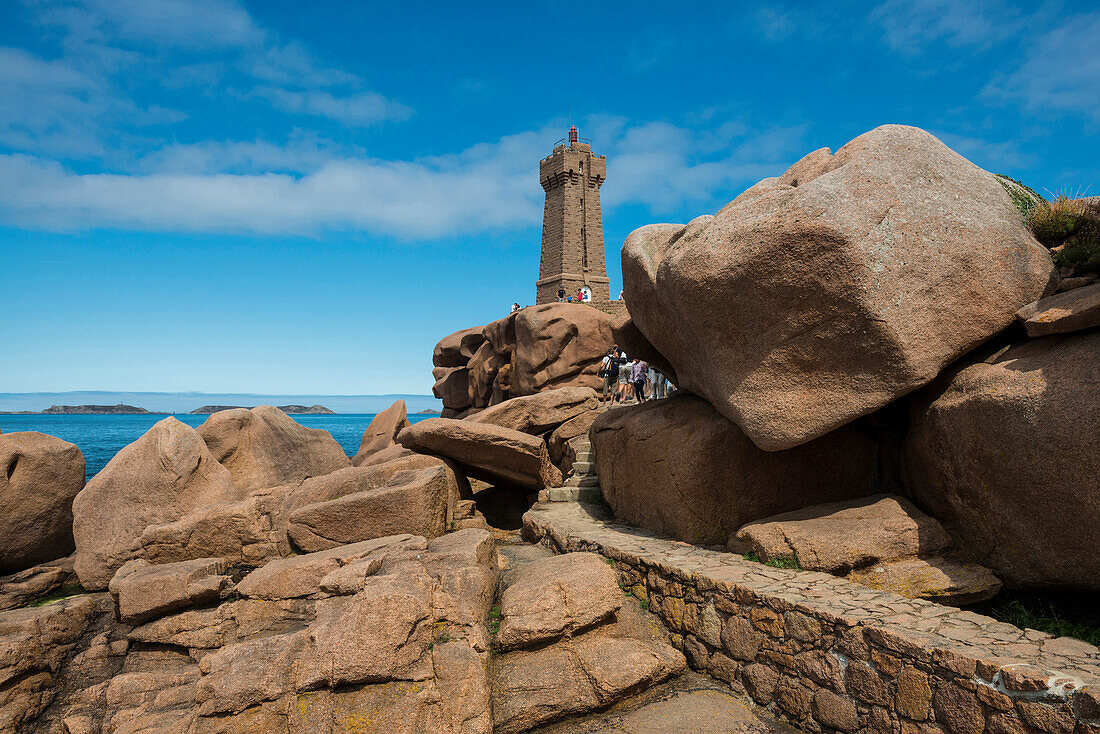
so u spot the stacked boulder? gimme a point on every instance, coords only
(506, 443)
(845, 302)
(535, 349)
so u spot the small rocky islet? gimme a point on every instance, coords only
(887, 410)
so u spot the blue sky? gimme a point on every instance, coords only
(229, 196)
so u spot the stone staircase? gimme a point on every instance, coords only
(582, 485)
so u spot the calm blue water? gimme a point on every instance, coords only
(100, 437)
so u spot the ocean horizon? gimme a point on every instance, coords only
(100, 437)
(176, 403)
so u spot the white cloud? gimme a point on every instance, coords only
(194, 24)
(490, 186)
(910, 24)
(51, 107)
(81, 104)
(1061, 70)
(361, 108)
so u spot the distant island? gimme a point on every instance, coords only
(299, 409)
(119, 409)
(427, 411)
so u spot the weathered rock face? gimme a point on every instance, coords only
(391, 632)
(34, 642)
(39, 477)
(491, 452)
(839, 536)
(533, 350)
(144, 591)
(382, 432)
(159, 478)
(1075, 310)
(23, 587)
(417, 500)
(537, 414)
(602, 651)
(821, 296)
(555, 597)
(677, 467)
(264, 447)
(1005, 455)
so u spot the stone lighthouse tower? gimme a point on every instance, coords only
(572, 226)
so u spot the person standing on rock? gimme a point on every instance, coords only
(624, 378)
(609, 371)
(638, 376)
(561, 295)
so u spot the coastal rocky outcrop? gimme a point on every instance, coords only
(533, 350)
(679, 468)
(382, 432)
(881, 541)
(823, 295)
(1004, 453)
(264, 447)
(39, 477)
(159, 478)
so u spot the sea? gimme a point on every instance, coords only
(100, 437)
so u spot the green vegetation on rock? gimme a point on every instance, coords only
(1022, 195)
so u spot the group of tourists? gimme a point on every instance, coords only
(581, 296)
(624, 378)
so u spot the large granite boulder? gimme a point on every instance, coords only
(1005, 454)
(159, 478)
(265, 447)
(493, 453)
(881, 541)
(39, 477)
(539, 413)
(413, 493)
(838, 536)
(372, 505)
(679, 468)
(382, 432)
(823, 295)
(559, 345)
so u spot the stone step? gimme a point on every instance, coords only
(585, 481)
(583, 455)
(584, 467)
(570, 494)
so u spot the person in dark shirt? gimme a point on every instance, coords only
(561, 295)
(609, 371)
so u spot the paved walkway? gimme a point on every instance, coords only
(1011, 670)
